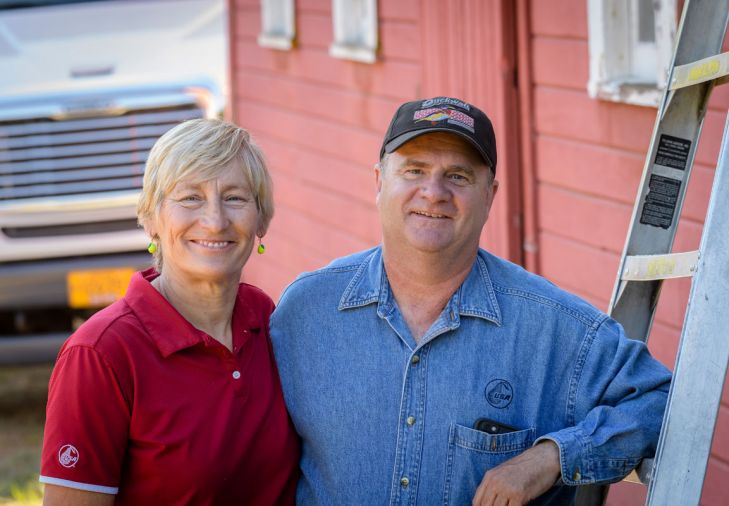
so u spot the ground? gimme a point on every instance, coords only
(23, 392)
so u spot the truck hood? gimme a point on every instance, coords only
(88, 46)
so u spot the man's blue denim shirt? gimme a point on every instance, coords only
(384, 420)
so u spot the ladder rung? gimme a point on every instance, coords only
(706, 69)
(654, 267)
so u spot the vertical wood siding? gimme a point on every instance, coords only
(320, 121)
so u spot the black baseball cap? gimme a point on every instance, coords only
(442, 114)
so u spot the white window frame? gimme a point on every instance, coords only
(277, 24)
(615, 52)
(355, 30)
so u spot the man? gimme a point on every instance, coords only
(428, 371)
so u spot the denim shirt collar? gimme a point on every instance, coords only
(475, 297)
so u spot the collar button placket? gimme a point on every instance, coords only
(411, 430)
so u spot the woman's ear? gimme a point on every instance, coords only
(261, 230)
(149, 228)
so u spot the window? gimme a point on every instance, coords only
(355, 30)
(277, 24)
(631, 46)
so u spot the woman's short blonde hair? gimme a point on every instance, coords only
(199, 150)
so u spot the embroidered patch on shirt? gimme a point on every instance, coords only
(499, 393)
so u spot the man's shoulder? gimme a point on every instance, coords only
(513, 281)
(338, 272)
(349, 262)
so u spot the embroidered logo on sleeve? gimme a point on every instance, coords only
(499, 393)
(68, 456)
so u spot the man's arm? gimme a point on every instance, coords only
(617, 406)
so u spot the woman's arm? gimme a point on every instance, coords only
(87, 424)
(65, 496)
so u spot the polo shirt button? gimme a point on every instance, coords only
(404, 482)
(411, 421)
(415, 359)
(236, 375)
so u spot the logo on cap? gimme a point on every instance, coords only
(68, 456)
(438, 114)
(499, 393)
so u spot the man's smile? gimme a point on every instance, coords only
(430, 215)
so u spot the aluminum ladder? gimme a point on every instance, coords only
(676, 474)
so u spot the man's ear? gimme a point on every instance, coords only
(378, 176)
(378, 180)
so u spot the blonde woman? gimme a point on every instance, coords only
(171, 395)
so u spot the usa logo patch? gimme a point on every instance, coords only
(499, 393)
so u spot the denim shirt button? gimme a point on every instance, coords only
(411, 421)
(415, 359)
(576, 476)
(404, 482)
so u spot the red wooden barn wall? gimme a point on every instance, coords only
(569, 165)
(321, 120)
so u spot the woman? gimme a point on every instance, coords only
(171, 395)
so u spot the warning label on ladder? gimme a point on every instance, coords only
(660, 202)
(672, 152)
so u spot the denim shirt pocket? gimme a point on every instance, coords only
(472, 452)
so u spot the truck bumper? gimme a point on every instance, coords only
(37, 284)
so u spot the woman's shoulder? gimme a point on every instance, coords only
(255, 298)
(101, 325)
(114, 334)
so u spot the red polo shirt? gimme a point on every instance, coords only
(143, 405)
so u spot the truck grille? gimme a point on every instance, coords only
(42, 157)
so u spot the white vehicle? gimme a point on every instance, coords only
(86, 87)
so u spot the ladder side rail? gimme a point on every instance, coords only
(690, 418)
(681, 55)
(680, 118)
(657, 210)
(700, 22)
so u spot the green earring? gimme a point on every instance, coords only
(152, 248)
(261, 247)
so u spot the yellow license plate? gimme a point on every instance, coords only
(97, 288)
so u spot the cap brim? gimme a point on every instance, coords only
(401, 139)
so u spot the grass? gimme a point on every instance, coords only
(23, 392)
